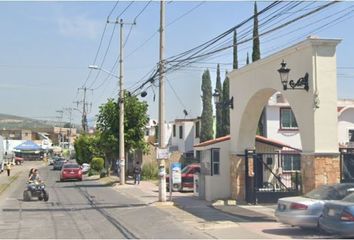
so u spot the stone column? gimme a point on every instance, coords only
(318, 169)
(237, 168)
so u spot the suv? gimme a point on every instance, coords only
(187, 177)
(57, 165)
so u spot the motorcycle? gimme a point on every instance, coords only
(35, 189)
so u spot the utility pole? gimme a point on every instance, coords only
(69, 110)
(162, 171)
(121, 103)
(84, 108)
(60, 119)
(121, 109)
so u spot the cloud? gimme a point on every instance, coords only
(78, 27)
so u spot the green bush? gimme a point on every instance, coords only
(97, 164)
(92, 172)
(103, 173)
(149, 171)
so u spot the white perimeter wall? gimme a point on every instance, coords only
(217, 186)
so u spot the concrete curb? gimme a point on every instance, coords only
(163, 204)
(224, 202)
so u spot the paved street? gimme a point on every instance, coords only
(84, 210)
(92, 209)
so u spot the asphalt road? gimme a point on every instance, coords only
(91, 210)
(83, 210)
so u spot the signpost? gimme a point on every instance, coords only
(175, 176)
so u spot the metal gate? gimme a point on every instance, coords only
(265, 178)
(346, 164)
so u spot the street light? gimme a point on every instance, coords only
(95, 67)
(121, 123)
(301, 83)
(225, 103)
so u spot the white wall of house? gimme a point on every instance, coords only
(292, 137)
(345, 123)
(216, 186)
(150, 131)
(185, 142)
(289, 137)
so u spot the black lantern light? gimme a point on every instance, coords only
(218, 101)
(301, 83)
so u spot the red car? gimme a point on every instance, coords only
(187, 177)
(71, 171)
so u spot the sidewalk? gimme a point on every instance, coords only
(203, 210)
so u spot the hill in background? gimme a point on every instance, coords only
(16, 122)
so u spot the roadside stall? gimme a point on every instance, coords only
(29, 151)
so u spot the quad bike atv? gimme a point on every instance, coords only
(35, 189)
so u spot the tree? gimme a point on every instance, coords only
(67, 125)
(135, 120)
(206, 128)
(84, 149)
(256, 54)
(226, 111)
(235, 61)
(219, 110)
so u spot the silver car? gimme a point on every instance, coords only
(304, 211)
(338, 217)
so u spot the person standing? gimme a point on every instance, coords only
(137, 172)
(8, 168)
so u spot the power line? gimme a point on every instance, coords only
(105, 55)
(184, 14)
(125, 9)
(100, 44)
(126, 40)
(193, 56)
(156, 32)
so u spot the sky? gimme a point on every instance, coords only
(46, 48)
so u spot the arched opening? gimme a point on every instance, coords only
(272, 161)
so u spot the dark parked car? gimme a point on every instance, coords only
(338, 217)
(57, 165)
(304, 211)
(187, 177)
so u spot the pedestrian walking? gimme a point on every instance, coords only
(8, 168)
(137, 172)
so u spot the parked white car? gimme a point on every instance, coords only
(85, 167)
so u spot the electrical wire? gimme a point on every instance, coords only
(181, 62)
(105, 55)
(100, 44)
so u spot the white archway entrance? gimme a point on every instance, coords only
(252, 86)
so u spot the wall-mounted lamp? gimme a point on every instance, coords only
(227, 103)
(301, 83)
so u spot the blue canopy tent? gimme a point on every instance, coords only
(28, 150)
(28, 146)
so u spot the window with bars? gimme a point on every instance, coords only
(287, 119)
(215, 161)
(351, 135)
(197, 129)
(291, 162)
